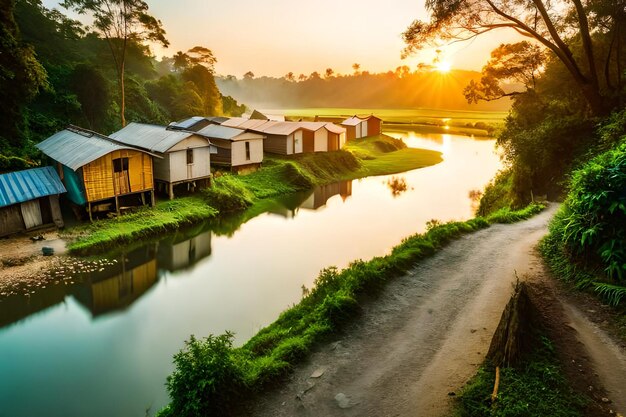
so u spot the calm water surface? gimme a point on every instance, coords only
(104, 346)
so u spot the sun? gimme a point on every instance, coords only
(443, 66)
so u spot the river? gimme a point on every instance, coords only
(103, 346)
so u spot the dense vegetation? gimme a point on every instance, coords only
(587, 241)
(211, 375)
(56, 71)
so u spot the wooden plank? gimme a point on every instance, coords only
(31, 213)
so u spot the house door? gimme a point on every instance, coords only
(121, 179)
(31, 213)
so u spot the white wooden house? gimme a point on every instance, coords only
(239, 149)
(186, 155)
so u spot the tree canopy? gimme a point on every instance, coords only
(553, 24)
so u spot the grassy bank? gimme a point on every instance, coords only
(376, 155)
(211, 375)
(537, 388)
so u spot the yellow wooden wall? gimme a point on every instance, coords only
(98, 175)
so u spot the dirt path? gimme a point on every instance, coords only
(422, 338)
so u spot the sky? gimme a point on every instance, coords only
(274, 37)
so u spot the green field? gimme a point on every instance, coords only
(414, 116)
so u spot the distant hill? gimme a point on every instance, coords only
(364, 90)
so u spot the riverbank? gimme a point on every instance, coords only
(376, 155)
(223, 374)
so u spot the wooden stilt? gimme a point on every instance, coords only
(143, 199)
(171, 191)
(152, 197)
(89, 210)
(117, 205)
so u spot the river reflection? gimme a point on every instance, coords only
(103, 346)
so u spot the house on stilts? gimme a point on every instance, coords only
(99, 172)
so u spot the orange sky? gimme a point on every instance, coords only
(274, 37)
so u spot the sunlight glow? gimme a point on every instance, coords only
(443, 66)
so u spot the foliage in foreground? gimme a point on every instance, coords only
(273, 352)
(588, 235)
(536, 388)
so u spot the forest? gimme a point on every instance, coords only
(403, 87)
(56, 72)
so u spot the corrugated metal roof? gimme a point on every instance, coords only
(75, 147)
(187, 123)
(220, 132)
(234, 121)
(191, 122)
(281, 128)
(17, 187)
(152, 137)
(352, 121)
(334, 128)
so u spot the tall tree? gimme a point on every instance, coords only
(121, 22)
(517, 62)
(549, 22)
(21, 75)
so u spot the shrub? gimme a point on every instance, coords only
(592, 221)
(206, 379)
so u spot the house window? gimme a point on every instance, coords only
(247, 151)
(120, 164)
(189, 156)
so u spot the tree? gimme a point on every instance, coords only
(21, 75)
(301, 77)
(290, 76)
(518, 62)
(205, 86)
(356, 67)
(329, 72)
(92, 92)
(121, 22)
(248, 75)
(550, 23)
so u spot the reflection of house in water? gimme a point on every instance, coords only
(119, 285)
(322, 193)
(174, 256)
(17, 307)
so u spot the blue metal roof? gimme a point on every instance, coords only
(17, 187)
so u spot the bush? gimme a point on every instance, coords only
(592, 222)
(206, 379)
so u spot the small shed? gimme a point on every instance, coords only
(285, 138)
(29, 199)
(186, 156)
(322, 136)
(238, 149)
(100, 172)
(360, 127)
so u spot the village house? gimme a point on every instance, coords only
(360, 127)
(237, 149)
(289, 138)
(99, 172)
(29, 199)
(186, 156)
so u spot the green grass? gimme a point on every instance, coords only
(167, 215)
(537, 388)
(419, 116)
(335, 299)
(280, 175)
